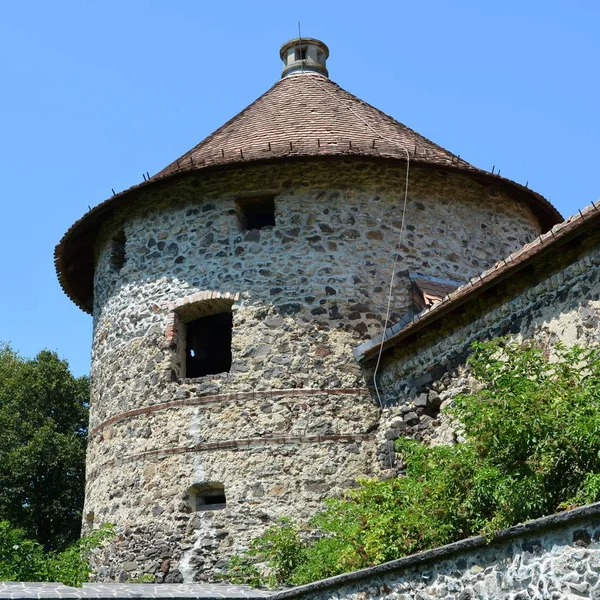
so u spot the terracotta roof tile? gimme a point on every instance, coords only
(430, 290)
(310, 115)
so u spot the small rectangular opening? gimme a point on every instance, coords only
(256, 213)
(211, 500)
(208, 345)
(208, 496)
(300, 54)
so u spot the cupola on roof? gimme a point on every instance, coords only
(304, 55)
(303, 115)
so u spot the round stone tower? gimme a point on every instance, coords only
(228, 292)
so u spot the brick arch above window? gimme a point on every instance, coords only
(199, 330)
(195, 306)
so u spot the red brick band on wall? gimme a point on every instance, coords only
(241, 444)
(263, 394)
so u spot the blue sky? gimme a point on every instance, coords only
(96, 93)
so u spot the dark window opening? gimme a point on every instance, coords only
(208, 345)
(256, 213)
(211, 500)
(209, 496)
(300, 54)
(117, 252)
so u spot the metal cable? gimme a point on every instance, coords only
(398, 245)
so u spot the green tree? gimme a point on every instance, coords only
(43, 427)
(532, 447)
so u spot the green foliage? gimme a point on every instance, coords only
(22, 559)
(72, 565)
(43, 426)
(242, 569)
(280, 546)
(532, 447)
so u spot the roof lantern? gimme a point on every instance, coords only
(304, 54)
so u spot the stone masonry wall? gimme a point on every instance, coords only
(558, 300)
(553, 558)
(293, 420)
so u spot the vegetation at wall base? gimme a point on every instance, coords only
(22, 559)
(531, 448)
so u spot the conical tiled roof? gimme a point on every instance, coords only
(310, 115)
(303, 115)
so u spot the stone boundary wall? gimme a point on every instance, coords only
(190, 591)
(555, 557)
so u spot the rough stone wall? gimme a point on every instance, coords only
(292, 421)
(558, 300)
(555, 558)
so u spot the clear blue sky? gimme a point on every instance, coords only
(96, 93)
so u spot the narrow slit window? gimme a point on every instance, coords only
(208, 345)
(117, 252)
(256, 213)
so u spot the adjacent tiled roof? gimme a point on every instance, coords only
(429, 290)
(550, 241)
(301, 116)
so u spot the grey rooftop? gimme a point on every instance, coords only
(134, 590)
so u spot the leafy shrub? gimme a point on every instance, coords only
(280, 546)
(22, 559)
(532, 447)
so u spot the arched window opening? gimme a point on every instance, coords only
(207, 496)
